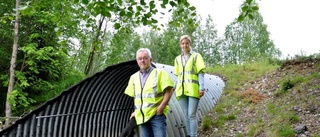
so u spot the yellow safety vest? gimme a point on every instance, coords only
(147, 98)
(187, 81)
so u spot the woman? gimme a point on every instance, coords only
(189, 87)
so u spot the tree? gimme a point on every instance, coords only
(168, 47)
(122, 14)
(153, 40)
(95, 43)
(6, 40)
(248, 40)
(37, 61)
(13, 64)
(207, 43)
(141, 12)
(122, 47)
(50, 33)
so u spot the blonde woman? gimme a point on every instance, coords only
(189, 68)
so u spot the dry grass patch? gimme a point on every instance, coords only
(252, 96)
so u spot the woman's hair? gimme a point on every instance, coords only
(185, 37)
(144, 49)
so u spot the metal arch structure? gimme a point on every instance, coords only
(98, 107)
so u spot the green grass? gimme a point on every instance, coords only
(206, 123)
(236, 76)
(283, 130)
(240, 74)
(279, 114)
(222, 119)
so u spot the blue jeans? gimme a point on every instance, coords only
(155, 127)
(189, 107)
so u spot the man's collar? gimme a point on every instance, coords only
(148, 70)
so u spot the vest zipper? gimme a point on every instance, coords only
(182, 81)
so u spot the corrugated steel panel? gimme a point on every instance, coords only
(97, 107)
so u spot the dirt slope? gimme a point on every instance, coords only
(300, 104)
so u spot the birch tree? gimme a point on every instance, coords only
(13, 64)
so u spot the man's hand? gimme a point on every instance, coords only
(160, 110)
(132, 115)
(165, 101)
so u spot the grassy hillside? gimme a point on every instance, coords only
(267, 100)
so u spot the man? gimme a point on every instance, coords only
(151, 89)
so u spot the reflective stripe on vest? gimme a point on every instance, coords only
(146, 98)
(187, 82)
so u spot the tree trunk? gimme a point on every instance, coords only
(12, 65)
(89, 63)
(97, 64)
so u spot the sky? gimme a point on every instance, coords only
(294, 25)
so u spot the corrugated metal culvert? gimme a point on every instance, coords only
(97, 107)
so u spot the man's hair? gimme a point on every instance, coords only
(144, 49)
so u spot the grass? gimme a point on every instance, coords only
(278, 112)
(289, 83)
(206, 123)
(236, 76)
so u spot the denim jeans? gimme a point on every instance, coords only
(155, 127)
(189, 107)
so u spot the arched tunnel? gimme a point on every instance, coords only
(98, 107)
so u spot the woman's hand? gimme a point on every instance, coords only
(201, 93)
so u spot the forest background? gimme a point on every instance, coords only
(47, 46)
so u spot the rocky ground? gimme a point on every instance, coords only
(303, 98)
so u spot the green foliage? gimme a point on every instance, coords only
(18, 98)
(133, 12)
(271, 108)
(218, 108)
(318, 66)
(288, 84)
(219, 122)
(283, 130)
(278, 116)
(292, 118)
(249, 8)
(46, 57)
(207, 43)
(235, 77)
(248, 41)
(252, 130)
(303, 57)
(70, 79)
(57, 37)
(123, 46)
(274, 61)
(40, 59)
(206, 123)
(165, 45)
